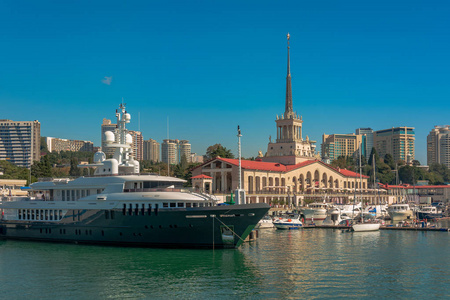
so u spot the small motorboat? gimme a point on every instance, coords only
(290, 221)
(265, 222)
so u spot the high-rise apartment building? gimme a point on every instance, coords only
(169, 151)
(58, 145)
(367, 140)
(398, 142)
(107, 126)
(20, 142)
(438, 146)
(151, 150)
(335, 145)
(184, 150)
(137, 145)
(173, 150)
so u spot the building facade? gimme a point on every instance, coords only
(367, 140)
(137, 144)
(184, 150)
(289, 146)
(173, 150)
(58, 145)
(169, 151)
(438, 146)
(20, 142)
(398, 142)
(267, 181)
(107, 126)
(151, 150)
(335, 145)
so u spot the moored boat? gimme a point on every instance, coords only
(122, 207)
(400, 212)
(265, 222)
(291, 221)
(315, 212)
(429, 212)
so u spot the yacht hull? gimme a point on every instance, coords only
(202, 227)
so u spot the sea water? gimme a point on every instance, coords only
(300, 264)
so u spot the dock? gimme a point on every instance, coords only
(388, 227)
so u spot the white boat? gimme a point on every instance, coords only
(400, 212)
(366, 227)
(288, 222)
(119, 206)
(363, 224)
(334, 217)
(265, 222)
(315, 212)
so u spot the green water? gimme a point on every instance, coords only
(307, 264)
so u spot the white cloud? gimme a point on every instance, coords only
(107, 80)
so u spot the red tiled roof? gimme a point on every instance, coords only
(349, 173)
(408, 186)
(278, 167)
(202, 176)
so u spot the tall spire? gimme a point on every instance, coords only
(289, 111)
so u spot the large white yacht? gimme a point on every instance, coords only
(120, 206)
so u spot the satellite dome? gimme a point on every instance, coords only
(129, 139)
(109, 137)
(127, 117)
(99, 157)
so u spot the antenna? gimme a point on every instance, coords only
(168, 153)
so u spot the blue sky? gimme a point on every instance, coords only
(209, 66)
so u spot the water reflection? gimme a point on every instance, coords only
(309, 263)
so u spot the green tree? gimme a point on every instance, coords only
(74, 170)
(218, 150)
(389, 160)
(372, 153)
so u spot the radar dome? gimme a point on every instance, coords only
(99, 157)
(109, 137)
(129, 140)
(127, 117)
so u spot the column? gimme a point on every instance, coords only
(222, 173)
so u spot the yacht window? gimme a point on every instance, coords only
(19, 211)
(73, 195)
(60, 214)
(201, 205)
(124, 210)
(173, 205)
(106, 214)
(156, 209)
(63, 195)
(46, 214)
(180, 204)
(50, 214)
(136, 210)
(194, 204)
(143, 209)
(166, 204)
(78, 194)
(88, 192)
(82, 193)
(149, 209)
(188, 204)
(130, 209)
(112, 214)
(28, 214)
(41, 213)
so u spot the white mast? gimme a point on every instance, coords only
(240, 192)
